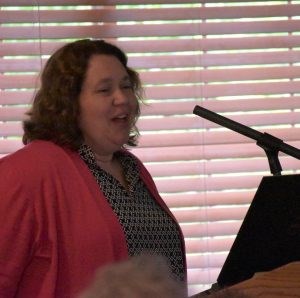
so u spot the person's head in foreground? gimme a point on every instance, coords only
(144, 276)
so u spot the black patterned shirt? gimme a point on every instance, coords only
(147, 227)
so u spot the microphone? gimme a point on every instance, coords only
(269, 143)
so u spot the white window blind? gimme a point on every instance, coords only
(240, 59)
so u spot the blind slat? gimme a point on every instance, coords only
(220, 106)
(183, 107)
(203, 275)
(210, 137)
(190, 152)
(183, 184)
(206, 151)
(202, 199)
(199, 245)
(211, 214)
(93, 2)
(216, 228)
(16, 97)
(180, 122)
(207, 91)
(206, 261)
(222, 90)
(164, 123)
(196, 167)
(110, 14)
(213, 60)
(163, 76)
(163, 45)
(148, 30)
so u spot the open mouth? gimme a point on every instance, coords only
(121, 118)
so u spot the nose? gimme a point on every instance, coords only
(121, 96)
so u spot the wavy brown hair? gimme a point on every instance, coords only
(55, 110)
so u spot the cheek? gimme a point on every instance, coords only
(92, 111)
(87, 117)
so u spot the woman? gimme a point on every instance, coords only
(74, 199)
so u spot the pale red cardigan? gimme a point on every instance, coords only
(56, 227)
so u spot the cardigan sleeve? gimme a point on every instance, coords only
(16, 227)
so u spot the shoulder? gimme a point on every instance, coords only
(36, 151)
(34, 158)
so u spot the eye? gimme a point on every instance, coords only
(103, 90)
(127, 86)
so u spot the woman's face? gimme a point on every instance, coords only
(107, 105)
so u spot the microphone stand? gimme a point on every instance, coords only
(270, 144)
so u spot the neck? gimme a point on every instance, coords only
(104, 158)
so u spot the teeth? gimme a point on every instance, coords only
(121, 117)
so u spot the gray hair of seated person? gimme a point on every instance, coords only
(142, 276)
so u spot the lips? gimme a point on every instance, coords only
(123, 118)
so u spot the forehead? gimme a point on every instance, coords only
(103, 66)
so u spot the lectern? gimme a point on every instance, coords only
(269, 236)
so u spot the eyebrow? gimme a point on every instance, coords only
(109, 80)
